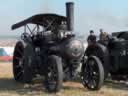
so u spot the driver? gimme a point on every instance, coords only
(91, 38)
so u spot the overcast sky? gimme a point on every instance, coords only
(111, 15)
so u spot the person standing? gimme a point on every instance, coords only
(91, 38)
(102, 35)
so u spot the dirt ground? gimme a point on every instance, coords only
(8, 87)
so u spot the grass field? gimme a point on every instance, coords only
(8, 87)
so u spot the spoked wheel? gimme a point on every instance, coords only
(54, 77)
(102, 53)
(93, 74)
(19, 64)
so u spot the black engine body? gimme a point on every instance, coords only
(114, 54)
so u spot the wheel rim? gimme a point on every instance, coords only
(18, 65)
(91, 74)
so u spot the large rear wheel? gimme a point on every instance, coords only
(21, 71)
(54, 77)
(93, 73)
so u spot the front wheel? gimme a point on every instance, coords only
(54, 75)
(93, 73)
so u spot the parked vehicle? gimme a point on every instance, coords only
(112, 54)
(4, 56)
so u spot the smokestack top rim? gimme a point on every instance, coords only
(69, 3)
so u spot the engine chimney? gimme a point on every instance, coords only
(70, 16)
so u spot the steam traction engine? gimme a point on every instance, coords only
(50, 50)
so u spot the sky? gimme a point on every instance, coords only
(110, 15)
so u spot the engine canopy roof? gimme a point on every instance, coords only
(40, 19)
